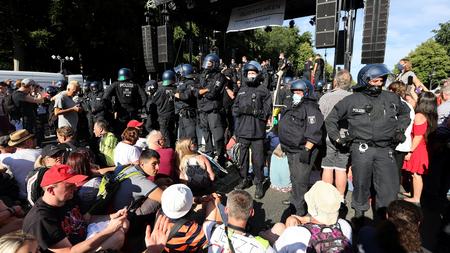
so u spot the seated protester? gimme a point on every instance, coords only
(156, 141)
(125, 151)
(66, 137)
(18, 242)
(321, 230)
(186, 234)
(194, 169)
(108, 142)
(400, 233)
(4, 148)
(87, 193)
(11, 218)
(233, 236)
(136, 186)
(51, 155)
(22, 161)
(141, 143)
(57, 223)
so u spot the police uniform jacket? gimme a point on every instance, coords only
(252, 107)
(186, 101)
(96, 104)
(212, 100)
(371, 119)
(130, 95)
(299, 124)
(164, 101)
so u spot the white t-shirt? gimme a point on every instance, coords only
(242, 244)
(20, 164)
(141, 143)
(406, 145)
(126, 154)
(296, 239)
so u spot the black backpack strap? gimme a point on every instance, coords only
(176, 226)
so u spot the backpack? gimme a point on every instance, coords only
(10, 107)
(34, 179)
(326, 241)
(198, 178)
(109, 186)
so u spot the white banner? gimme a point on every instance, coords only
(257, 15)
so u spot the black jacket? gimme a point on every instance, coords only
(95, 103)
(300, 123)
(130, 96)
(252, 107)
(370, 119)
(187, 100)
(164, 101)
(212, 100)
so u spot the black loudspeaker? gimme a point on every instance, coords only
(376, 14)
(341, 47)
(326, 23)
(148, 33)
(164, 44)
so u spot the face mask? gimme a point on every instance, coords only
(296, 98)
(374, 90)
(400, 67)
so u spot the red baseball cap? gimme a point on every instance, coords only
(61, 173)
(134, 123)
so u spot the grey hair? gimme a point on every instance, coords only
(239, 204)
(343, 79)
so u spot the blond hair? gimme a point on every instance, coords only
(183, 149)
(11, 242)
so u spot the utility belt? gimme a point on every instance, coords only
(188, 114)
(364, 145)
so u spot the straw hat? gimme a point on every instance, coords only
(18, 137)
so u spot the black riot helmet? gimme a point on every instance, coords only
(256, 67)
(286, 80)
(124, 74)
(151, 86)
(95, 86)
(168, 78)
(303, 85)
(51, 90)
(370, 72)
(184, 70)
(214, 59)
(85, 87)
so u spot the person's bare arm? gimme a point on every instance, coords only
(91, 244)
(59, 111)
(34, 100)
(208, 167)
(419, 84)
(156, 195)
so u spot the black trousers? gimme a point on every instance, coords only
(187, 128)
(212, 128)
(257, 147)
(379, 163)
(167, 128)
(299, 174)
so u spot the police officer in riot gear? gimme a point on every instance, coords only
(130, 97)
(151, 121)
(252, 108)
(186, 103)
(209, 103)
(376, 123)
(164, 101)
(300, 133)
(98, 108)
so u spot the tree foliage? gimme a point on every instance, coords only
(430, 57)
(442, 35)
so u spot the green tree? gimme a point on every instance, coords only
(442, 35)
(428, 57)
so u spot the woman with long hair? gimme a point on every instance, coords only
(187, 158)
(416, 161)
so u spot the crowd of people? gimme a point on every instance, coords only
(136, 168)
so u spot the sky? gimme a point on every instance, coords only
(410, 23)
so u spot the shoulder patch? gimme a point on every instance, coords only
(312, 120)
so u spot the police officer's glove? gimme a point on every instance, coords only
(305, 155)
(399, 136)
(344, 141)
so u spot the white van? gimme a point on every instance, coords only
(77, 77)
(44, 79)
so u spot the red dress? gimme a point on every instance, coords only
(418, 163)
